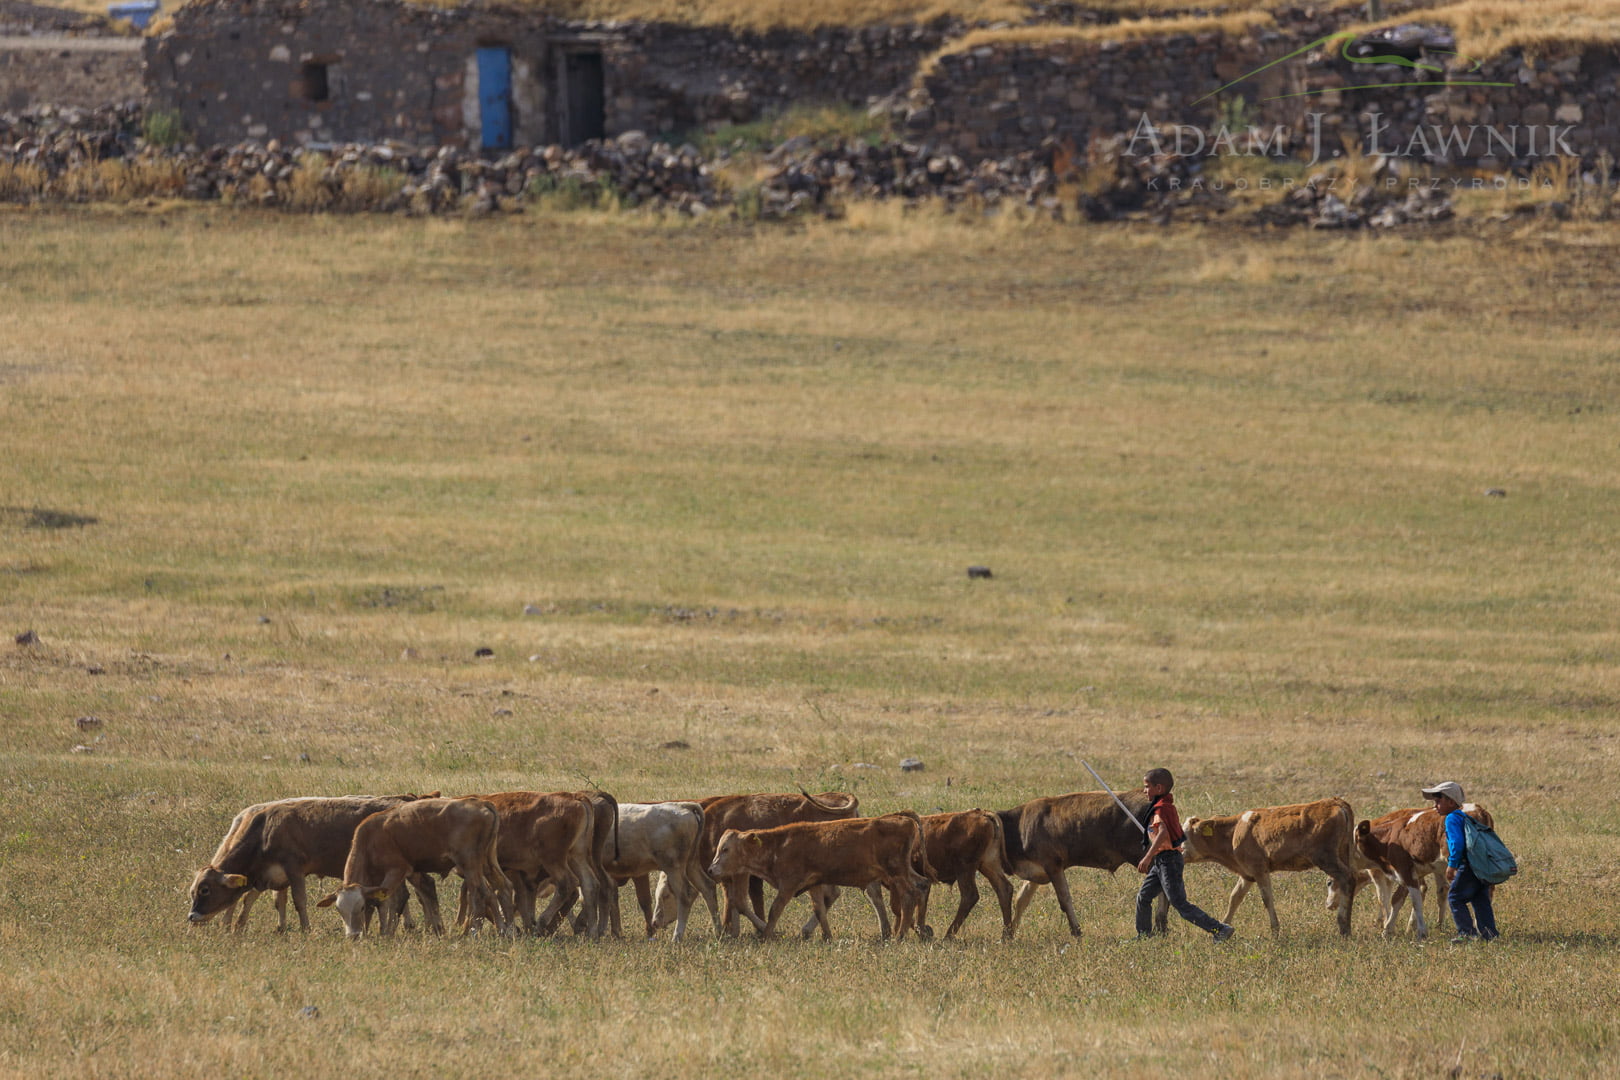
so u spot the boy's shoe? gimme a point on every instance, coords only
(1224, 933)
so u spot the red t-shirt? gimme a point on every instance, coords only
(1164, 813)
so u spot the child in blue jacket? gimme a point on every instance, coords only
(1466, 889)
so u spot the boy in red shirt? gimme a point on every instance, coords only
(1163, 863)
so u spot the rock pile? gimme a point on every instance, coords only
(66, 155)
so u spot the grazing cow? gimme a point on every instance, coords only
(1410, 846)
(426, 836)
(662, 837)
(1044, 837)
(547, 836)
(1258, 843)
(857, 852)
(276, 845)
(722, 813)
(960, 847)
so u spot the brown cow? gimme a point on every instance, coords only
(960, 847)
(547, 836)
(857, 852)
(722, 813)
(426, 836)
(1410, 846)
(276, 845)
(1258, 843)
(1044, 837)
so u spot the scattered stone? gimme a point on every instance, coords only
(484, 652)
(304, 757)
(408, 654)
(87, 723)
(676, 744)
(310, 1012)
(502, 712)
(28, 637)
(83, 749)
(862, 765)
(979, 572)
(532, 609)
(911, 764)
(1496, 493)
(95, 669)
(535, 659)
(264, 620)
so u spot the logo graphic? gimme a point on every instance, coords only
(1345, 39)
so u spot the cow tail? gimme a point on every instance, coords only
(614, 803)
(919, 851)
(1001, 840)
(849, 807)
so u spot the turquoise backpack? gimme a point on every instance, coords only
(1488, 857)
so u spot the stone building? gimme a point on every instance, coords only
(494, 75)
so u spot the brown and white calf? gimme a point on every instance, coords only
(275, 846)
(856, 852)
(1273, 839)
(426, 836)
(960, 847)
(1410, 846)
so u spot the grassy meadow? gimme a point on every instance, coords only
(267, 484)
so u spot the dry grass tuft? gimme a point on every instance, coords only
(1235, 22)
(1487, 28)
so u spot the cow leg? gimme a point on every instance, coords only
(874, 894)
(240, 925)
(822, 898)
(1347, 900)
(737, 902)
(1004, 892)
(1026, 894)
(427, 894)
(777, 907)
(565, 891)
(903, 897)
(925, 931)
(1271, 904)
(1239, 891)
(300, 899)
(704, 886)
(1420, 928)
(1060, 885)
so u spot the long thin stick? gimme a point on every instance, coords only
(1140, 827)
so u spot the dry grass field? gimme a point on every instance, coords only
(268, 483)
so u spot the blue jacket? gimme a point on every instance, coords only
(1456, 840)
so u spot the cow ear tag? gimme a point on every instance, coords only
(1206, 830)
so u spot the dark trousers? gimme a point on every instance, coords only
(1467, 890)
(1164, 876)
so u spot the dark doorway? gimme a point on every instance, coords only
(583, 101)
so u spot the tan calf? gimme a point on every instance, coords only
(1258, 843)
(858, 852)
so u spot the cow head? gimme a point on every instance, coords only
(212, 892)
(350, 901)
(1202, 836)
(739, 852)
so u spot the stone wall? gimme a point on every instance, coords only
(998, 98)
(75, 71)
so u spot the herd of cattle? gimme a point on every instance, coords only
(513, 848)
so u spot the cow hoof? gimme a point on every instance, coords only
(925, 933)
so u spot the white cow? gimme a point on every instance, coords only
(662, 837)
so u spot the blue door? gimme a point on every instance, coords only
(495, 96)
